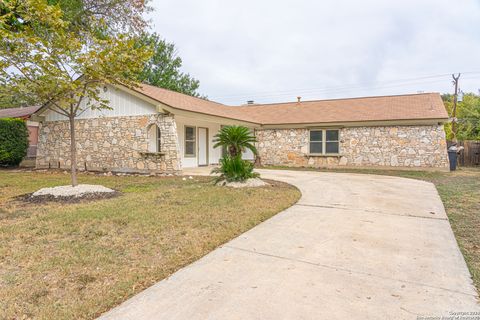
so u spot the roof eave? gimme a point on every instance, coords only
(206, 116)
(367, 123)
(164, 107)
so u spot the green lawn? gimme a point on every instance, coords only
(460, 193)
(78, 260)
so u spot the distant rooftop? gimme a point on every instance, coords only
(24, 112)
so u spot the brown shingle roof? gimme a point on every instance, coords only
(185, 102)
(385, 108)
(23, 113)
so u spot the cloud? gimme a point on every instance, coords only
(275, 50)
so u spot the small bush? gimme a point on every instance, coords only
(13, 141)
(235, 169)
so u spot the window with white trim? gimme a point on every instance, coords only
(331, 141)
(159, 140)
(190, 141)
(154, 139)
(324, 141)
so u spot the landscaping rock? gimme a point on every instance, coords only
(69, 191)
(249, 183)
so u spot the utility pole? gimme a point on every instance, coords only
(454, 111)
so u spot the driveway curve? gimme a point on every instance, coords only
(354, 247)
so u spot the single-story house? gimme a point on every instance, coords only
(25, 113)
(149, 129)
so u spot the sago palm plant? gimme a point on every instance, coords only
(235, 140)
(235, 169)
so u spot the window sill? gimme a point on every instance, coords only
(152, 154)
(338, 155)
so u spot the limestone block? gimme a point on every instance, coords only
(394, 161)
(140, 165)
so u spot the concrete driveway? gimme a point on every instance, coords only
(353, 247)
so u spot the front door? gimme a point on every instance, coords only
(202, 146)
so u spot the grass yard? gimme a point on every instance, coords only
(78, 260)
(460, 193)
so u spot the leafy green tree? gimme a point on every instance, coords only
(235, 140)
(43, 57)
(86, 18)
(468, 117)
(116, 16)
(10, 99)
(163, 68)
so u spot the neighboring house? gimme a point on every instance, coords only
(150, 129)
(25, 113)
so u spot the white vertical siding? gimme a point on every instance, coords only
(122, 104)
(248, 154)
(214, 154)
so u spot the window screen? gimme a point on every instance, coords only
(331, 141)
(316, 141)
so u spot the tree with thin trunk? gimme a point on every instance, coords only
(41, 55)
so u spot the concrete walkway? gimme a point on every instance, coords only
(354, 247)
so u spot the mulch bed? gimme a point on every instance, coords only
(87, 197)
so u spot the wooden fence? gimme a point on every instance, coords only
(470, 155)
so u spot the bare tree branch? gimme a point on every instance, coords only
(57, 109)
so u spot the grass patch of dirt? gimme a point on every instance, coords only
(76, 260)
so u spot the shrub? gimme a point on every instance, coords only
(235, 169)
(13, 141)
(235, 140)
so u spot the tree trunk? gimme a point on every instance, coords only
(232, 150)
(73, 151)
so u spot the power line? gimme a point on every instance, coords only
(338, 91)
(343, 88)
(328, 88)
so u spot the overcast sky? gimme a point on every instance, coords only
(276, 50)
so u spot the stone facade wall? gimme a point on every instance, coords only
(392, 146)
(110, 144)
